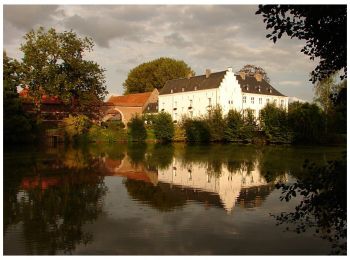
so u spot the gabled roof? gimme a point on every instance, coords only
(251, 85)
(24, 94)
(131, 100)
(193, 83)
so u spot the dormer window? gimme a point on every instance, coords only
(195, 88)
(270, 90)
(182, 89)
(246, 87)
(171, 91)
(259, 88)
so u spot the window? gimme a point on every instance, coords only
(275, 101)
(252, 100)
(175, 104)
(282, 102)
(190, 102)
(182, 89)
(195, 88)
(260, 100)
(244, 99)
(267, 100)
(171, 91)
(209, 99)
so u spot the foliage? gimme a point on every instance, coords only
(76, 126)
(234, 126)
(137, 130)
(179, 133)
(54, 64)
(340, 106)
(197, 130)
(252, 69)
(153, 74)
(306, 122)
(163, 127)
(323, 204)
(274, 122)
(108, 135)
(323, 27)
(249, 126)
(18, 128)
(216, 124)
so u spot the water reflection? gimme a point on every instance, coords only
(51, 196)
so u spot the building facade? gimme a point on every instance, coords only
(125, 107)
(195, 96)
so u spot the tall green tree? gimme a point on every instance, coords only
(323, 27)
(17, 126)
(163, 127)
(54, 64)
(252, 69)
(153, 74)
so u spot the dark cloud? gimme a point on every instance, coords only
(177, 40)
(104, 29)
(25, 17)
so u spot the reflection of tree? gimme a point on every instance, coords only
(136, 153)
(323, 204)
(52, 216)
(159, 197)
(160, 156)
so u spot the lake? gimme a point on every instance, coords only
(152, 199)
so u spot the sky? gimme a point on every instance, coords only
(211, 37)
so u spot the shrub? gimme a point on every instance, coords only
(234, 124)
(216, 125)
(137, 130)
(76, 126)
(163, 127)
(307, 122)
(249, 126)
(274, 122)
(197, 130)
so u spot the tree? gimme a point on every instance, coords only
(306, 121)
(274, 122)
(54, 64)
(137, 129)
(323, 27)
(153, 74)
(216, 124)
(163, 127)
(234, 125)
(252, 69)
(17, 126)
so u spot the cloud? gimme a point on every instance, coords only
(177, 40)
(104, 29)
(290, 82)
(24, 17)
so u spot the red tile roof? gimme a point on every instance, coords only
(131, 100)
(45, 99)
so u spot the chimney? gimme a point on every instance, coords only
(229, 69)
(258, 76)
(207, 73)
(189, 75)
(242, 74)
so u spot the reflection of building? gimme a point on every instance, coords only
(125, 168)
(228, 185)
(124, 107)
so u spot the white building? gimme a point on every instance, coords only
(194, 96)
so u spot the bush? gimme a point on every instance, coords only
(216, 125)
(307, 122)
(163, 127)
(137, 130)
(249, 126)
(274, 122)
(76, 126)
(197, 130)
(234, 124)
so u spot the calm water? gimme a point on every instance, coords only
(151, 199)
